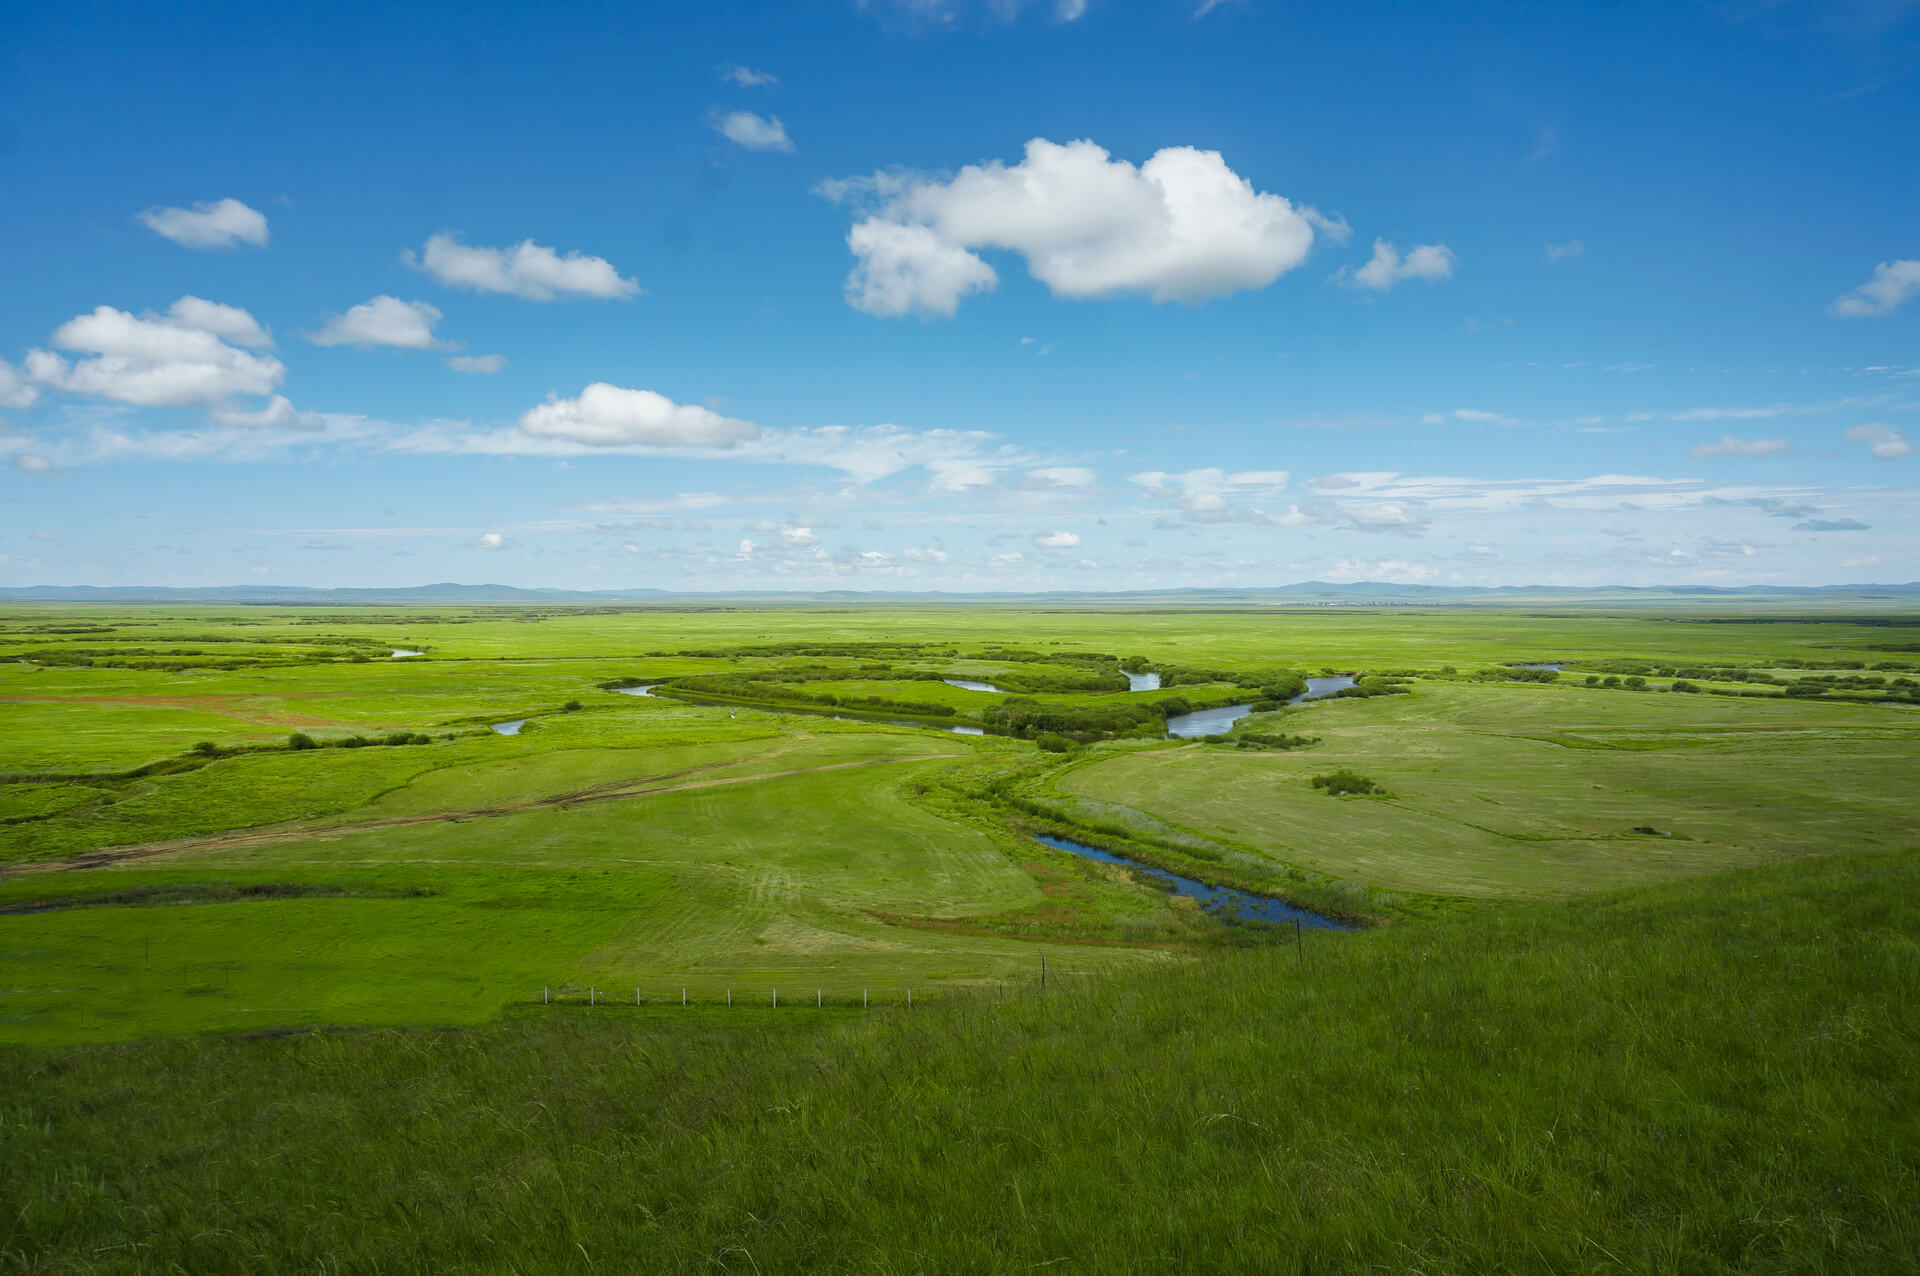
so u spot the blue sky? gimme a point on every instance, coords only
(940, 294)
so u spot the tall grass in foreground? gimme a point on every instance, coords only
(1714, 1075)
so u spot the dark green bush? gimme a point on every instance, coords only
(1343, 782)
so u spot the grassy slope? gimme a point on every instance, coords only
(736, 864)
(1535, 790)
(1705, 1076)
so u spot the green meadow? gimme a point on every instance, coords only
(1626, 985)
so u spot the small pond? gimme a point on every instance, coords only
(966, 730)
(1142, 681)
(967, 684)
(1318, 687)
(637, 691)
(1555, 667)
(1221, 901)
(1207, 721)
(510, 728)
(401, 653)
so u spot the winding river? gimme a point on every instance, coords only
(1221, 901)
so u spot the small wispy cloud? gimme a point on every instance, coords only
(1731, 446)
(754, 132)
(1894, 283)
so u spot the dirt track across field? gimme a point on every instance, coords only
(266, 836)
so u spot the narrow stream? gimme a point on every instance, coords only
(1318, 687)
(1142, 681)
(1188, 726)
(967, 684)
(401, 653)
(646, 690)
(1221, 901)
(1219, 721)
(510, 728)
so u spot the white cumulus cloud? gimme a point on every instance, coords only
(1431, 262)
(612, 416)
(190, 356)
(755, 132)
(478, 365)
(220, 224)
(1894, 283)
(748, 78)
(1883, 441)
(1180, 227)
(15, 392)
(1057, 540)
(528, 270)
(383, 321)
(1731, 446)
(904, 269)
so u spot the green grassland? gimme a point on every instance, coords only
(1498, 791)
(1626, 992)
(1713, 1075)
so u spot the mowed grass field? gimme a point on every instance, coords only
(732, 865)
(1500, 791)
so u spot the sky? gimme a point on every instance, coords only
(967, 295)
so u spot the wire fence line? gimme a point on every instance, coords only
(775, 997)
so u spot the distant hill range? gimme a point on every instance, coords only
(1307, 593)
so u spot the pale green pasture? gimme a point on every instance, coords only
(1305, 637)
(1518, 791)
(761, 881)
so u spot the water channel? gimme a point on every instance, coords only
(1205, 722)
(401, 653)
(646, 690)
(1142, 681)
(509, 728)
(967, 684)
(1221, 901)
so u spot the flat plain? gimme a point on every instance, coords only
(233, 835)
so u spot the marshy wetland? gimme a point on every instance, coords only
(227, 835)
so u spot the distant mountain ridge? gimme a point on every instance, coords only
(1358, 592)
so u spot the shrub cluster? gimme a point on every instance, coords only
(1344, 783)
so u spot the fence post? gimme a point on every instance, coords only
(683, 996)
(776, 999)
(636, 996)
(863, 999)
(593, 996)
(729, 996)
(1043, 972)
(546, 994)
(817, 999)
(909, 999)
